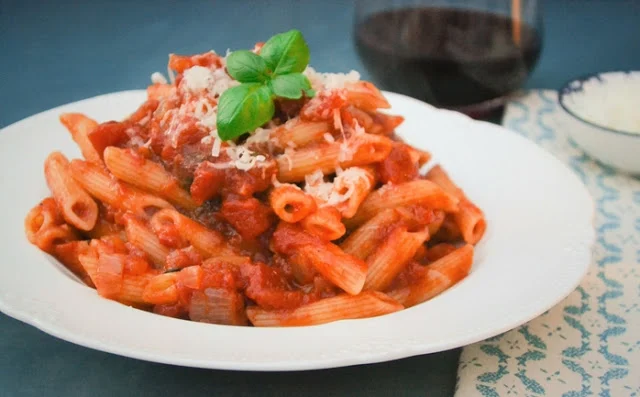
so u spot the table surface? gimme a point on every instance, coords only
(58, 52)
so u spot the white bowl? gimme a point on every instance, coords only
(604, 117)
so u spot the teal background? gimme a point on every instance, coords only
(55, 52)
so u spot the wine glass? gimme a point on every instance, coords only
(466, 55)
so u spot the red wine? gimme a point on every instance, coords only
(448, 57)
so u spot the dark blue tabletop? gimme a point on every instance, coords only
(55, 52)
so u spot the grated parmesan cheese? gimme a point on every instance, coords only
(158, 78)
(217, 145)
(276, 183)
(197, 78)
(200, 78)
(242, 159)
(329, 193)
(260, 135)
(329, 138)
(137, 141)
(337, 121)
(316, 186)
(206, 140)
(329, 81)
(351, 176)
(348, 147)
(221, 82)
(346, 152)
(358, 129)
(210, 119)
(176, 125)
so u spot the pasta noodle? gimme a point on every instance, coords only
(367, 237)
(388, 259)
(325, 223)
(469, 219)
(415, 192)
(342, 307)
(327, 157)
(290, 203)
(76, 206)
(106, 188)
(146, 175)
(298, 133)
(439, 276)
(80, 126)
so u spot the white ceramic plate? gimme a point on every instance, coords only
(536, 250)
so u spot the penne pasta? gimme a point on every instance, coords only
(355, 189)
(45, 227)
(295, 133)
(341, 269)
(89, 262)
(363, 118)
(76, 206)
(133, 287)
(97, 182)
(143, 115)
(420, 192)
(366, 96)
(439, 276)
(68, 254)
(108, 274)
(341, 307)
(388, 260)
(364, 240)
(80, 126)
(145, 239)
(159, 91)
(448, 230)
(100, 184)
(290, 203)
(469, 218)
(357, 151)
(130, 287)
(384, 124)
(325, 223)
(217, 306)
(421, 157)
(208, 242)
(435, 226)
(161, 289)
(146, 175)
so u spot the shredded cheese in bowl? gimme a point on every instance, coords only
(609, 100)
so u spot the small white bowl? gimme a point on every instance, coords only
(604, 117)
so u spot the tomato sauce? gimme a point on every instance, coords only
(398, 167)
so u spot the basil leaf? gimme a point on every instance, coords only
(243, 109)
(286, 53)
(247, 67)
(290, 86)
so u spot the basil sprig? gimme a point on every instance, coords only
(276, 72)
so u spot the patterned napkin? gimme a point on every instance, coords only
(588, 344)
